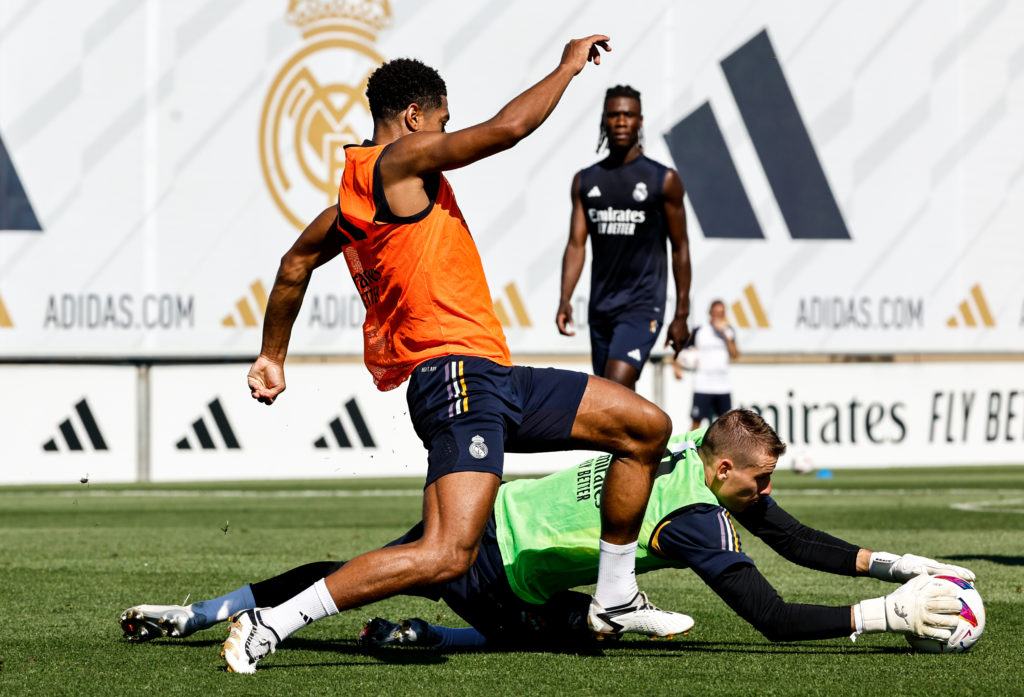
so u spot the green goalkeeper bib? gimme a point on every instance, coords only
(549, 529)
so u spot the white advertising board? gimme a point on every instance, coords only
(74, 422)
(882, 414)
(330, 422)
(67, 424)
(854, 178)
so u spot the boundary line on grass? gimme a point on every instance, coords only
(990, 506)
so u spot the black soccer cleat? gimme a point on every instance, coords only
(379, 632)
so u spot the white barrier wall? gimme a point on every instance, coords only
(65, 424)
(69, 423)
(330, 422)
(854, 178)
(883, 414)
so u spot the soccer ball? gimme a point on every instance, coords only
(802, 462)
(688, 359)
(969, 628)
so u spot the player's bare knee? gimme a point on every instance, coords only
(650, 430)
(445, 563)
(455, 564)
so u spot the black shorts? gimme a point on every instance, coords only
(469, 411)
(483, 598)
(628, 338)
(710, 406)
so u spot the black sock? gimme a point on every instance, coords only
(276, 590)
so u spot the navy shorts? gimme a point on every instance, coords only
(710, 406)
(484, 599)
(469, 411)
(628, 338)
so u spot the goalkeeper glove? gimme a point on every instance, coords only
(921, 607)
(892, 567)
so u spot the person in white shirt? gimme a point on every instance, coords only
(714, 345)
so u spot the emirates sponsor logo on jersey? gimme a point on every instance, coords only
(616, 221)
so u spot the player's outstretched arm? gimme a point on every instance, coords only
(919, 607)
(675, 217)
(902, 568)
(423, 152)
(749, 594)
(800, 543)
(572, 260)
(318, 244)
(818, 550)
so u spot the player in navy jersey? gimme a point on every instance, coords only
(627, 204)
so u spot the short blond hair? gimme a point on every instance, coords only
(742, 431)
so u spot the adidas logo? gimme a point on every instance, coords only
(70, 435)
(783, 146)
(634, 354)
(756, 309)
(248, 317)
(518, 308)
(341, 435)
(202, 433)
(594, 192)
(967, 315)
(5, 317)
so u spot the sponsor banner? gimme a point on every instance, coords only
(68, 424)
(80, 422)
(881, 414)
(330, 422)
(853, 178)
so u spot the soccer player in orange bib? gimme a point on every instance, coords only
(430, 319)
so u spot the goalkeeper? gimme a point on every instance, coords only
(540, 543)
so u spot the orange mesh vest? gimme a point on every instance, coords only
(420, 277)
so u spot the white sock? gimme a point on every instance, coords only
(616, 574)
(307, 607)
(219, 609)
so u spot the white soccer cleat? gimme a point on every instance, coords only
(145, 622)
(638, 616)
(249, 641)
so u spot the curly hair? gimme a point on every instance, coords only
(398, 83)
(742, 430)
(612, 93)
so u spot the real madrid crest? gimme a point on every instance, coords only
(316, 105)
(477, 447)
(640, 192)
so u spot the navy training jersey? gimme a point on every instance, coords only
(702, 537)
(625, 211)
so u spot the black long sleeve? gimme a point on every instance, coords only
(797, 542)
(702, 537)
(749, 594)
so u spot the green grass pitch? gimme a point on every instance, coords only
(71, 558)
